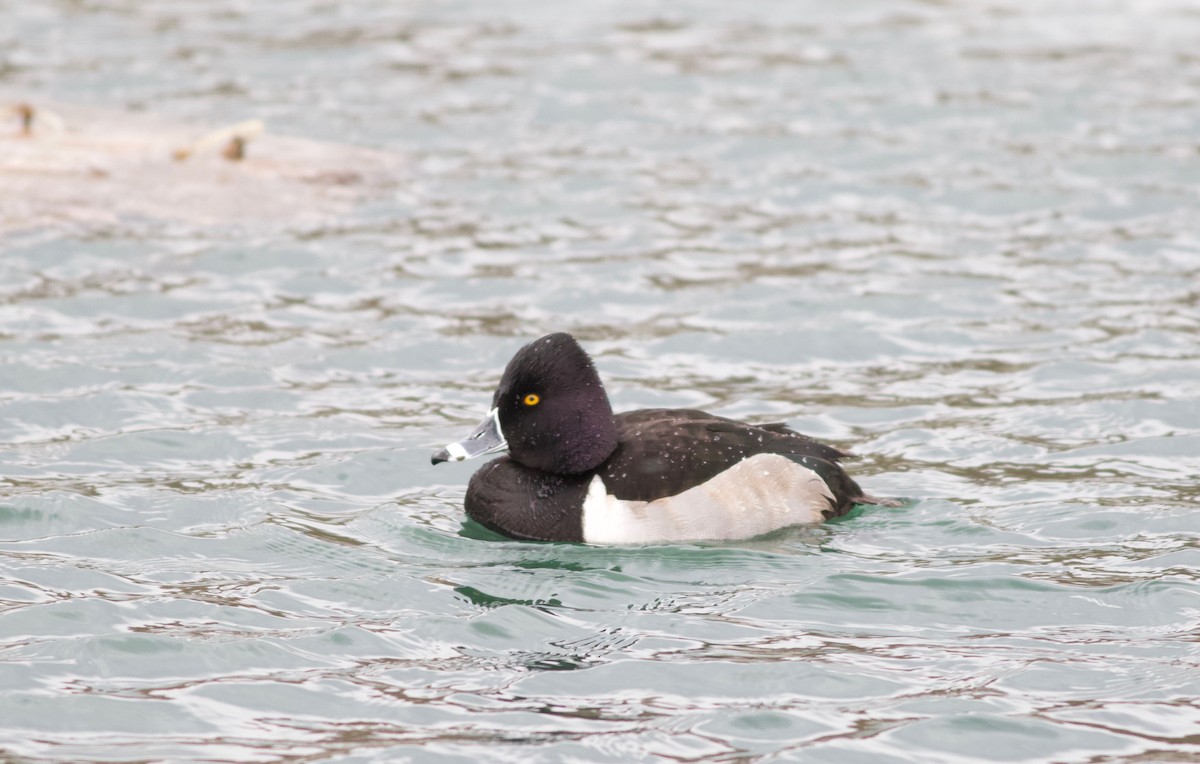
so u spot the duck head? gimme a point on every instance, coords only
(550, 412)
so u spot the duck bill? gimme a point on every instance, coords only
(485, 439)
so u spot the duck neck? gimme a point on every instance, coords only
(590, 443)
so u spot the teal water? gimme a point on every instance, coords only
(958, 238)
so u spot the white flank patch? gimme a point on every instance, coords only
(753, 497)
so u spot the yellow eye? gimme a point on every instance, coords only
(532, 399)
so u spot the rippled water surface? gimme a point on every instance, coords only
(957, 237)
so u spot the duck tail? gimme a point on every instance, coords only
(879, 501)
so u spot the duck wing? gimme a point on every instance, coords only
(664, 452)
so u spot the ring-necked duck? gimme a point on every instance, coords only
(577, 472)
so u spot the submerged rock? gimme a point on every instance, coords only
(90, 166)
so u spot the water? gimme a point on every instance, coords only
(959, 238)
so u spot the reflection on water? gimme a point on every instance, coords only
(957, 238)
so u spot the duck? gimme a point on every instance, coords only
(576, 472)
